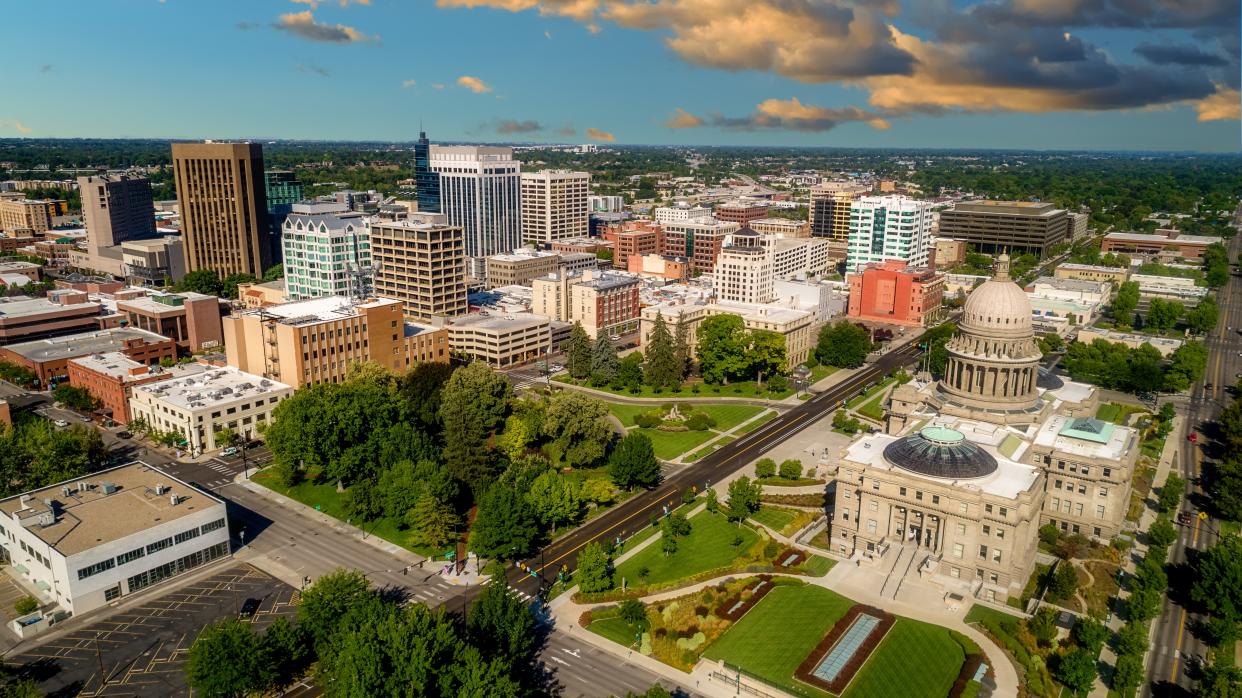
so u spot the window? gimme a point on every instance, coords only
(96, 568)
(987, 530)
(961, 529)
(1099, 513)
(1078, 509)
(963, 507)
(189, 562)
(871, 525)
(918, 495)
(983, 551)
(1000, 534)
(1082, 488)
(1056, 503)
(873, 505)
(1057, 484)
(955, 573)
(935, 499)
(1004, 512)
(902, 491)
(1097, 531)
(1075, 528)
(1108, 472)
(849, 495)
(996, 554)
(112, 593)
(213, 525)
(130, 556)
(875, 484)
(186, 535)
(958, 550)
(987, 508)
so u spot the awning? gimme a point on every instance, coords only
(42, 585)
(21, 568)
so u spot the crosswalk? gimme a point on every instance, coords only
(226, 472)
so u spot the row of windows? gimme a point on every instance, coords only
(171, 569)
(151, 548)
(32, 553)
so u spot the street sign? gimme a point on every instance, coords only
(1203, 515)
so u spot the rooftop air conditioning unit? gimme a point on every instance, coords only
(174, 500)
(109, 488)
(66, 490)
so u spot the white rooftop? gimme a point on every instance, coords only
(321, 309)
(1119, 440)
(213, 386)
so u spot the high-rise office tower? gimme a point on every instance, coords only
(830, 209)
(479, 192)
(889, 227)
(223, 202)
(326, 251)
(421, 262)
(426, 181)
(554, 206)
(116, 208)
(283, 190)
(1017, 227)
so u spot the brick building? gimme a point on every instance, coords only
(893, 294)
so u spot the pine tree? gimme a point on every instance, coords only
(604, 362)
(578, 352)
(661, 363)
(681, 347)
(432, 522)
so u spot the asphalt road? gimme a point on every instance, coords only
(1175, 641)
(635, 513)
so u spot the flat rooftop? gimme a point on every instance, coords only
(210, 386)
(1013, 208)
(90, 517)
(15, 265)
(499, 322)
(74, 345)
(1068, 435)
(21, 306)
(322, 309)
(1162, 240)
(1089, 267)
(113, 363)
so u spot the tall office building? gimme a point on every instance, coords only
(326, 250)
(1016, 227)
(889, 227)
(479, 192)
(421, 262)
(554, 206)
(426, 181)
(223, 202)
(830, 209)
(744, 269)
(116, 208)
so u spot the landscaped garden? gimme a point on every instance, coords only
(1116, 412)
(675, 429)
(784, 521)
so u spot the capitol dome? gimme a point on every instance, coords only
(998, 304)
(940, 452)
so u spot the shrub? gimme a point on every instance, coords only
(647, 420)
(771, 549)
(778, 384)
(699, 422)
(791, 469)
(765, 468)
(26, 604)
(700, 611)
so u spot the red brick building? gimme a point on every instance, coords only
(110, 377)
(741, 212)
(635, 239)
(893, 294)
(49, 358)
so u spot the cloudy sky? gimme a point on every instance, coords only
(1105, 74)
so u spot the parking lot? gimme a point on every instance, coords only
(142, 650)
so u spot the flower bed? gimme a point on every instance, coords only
(967, 674)
(817, 500)
(789, 557)
(732, 608)
(806, 670)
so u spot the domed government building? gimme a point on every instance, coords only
(972, 464)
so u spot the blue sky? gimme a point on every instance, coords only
(223, 69)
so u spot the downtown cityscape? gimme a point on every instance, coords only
(532, 368)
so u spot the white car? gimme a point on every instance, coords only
(61, 423)
(230, 451)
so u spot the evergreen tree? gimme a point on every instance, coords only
(506, 527)
(473, 403)
(594, 569)
(633, 462)
(661, 369)
(604, 361)
(578, 352)
(681, 346)
(431, 522)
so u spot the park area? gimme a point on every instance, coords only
(673, 437)
(768, 628)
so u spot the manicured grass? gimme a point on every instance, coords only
(709, 545)
(915, 659)
(325, 498)
(614, 629)
(709, 449)
(979, 613)
(1116, 413)
(729, 416)
(745, 389)
(772, 639)
(756, 423)
(819, 566)
(670, 444)
(821, 372)
(857, 400)
(627, 413)
(775, 518)
(873, 408)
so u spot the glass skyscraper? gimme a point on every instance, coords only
(426, 181)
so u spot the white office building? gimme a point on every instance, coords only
(682, 213)
(325, 246)
(480, 192)
(606, 204)
(87, 542)
(554, 206)
(198, 405)
(889, 227)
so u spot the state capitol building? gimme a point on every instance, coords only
(973, 464)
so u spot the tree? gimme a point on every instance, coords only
(25, 604)
(223, 661)
(1171, 493)
(1125, 302)
(283, 653)
(1161, 533)
(633, 462)
(203, 281)
(604, 361)
(421, 388)
(1220, 681)
(843, 345)
(578, 426)
(722, 344)
(431, 521)
(681, 347)
(473, 404)
(1163, 314)
(506, 527)
(578, 352)
(1076, 670)
(1201, 319)
(75, 397)
(1217, 582)
(744, 497)
(1186, 366)
(594, 569)
(1043, 625)
(328, 600)
(633, 612)
(1128, 674)
(502, 625)
(1225, 487)
(630, 372)
(274, 272)
(556, 499)
(765, 354)
(1090, 634)
(229, 284)
(791, 469)
(1064, 581)
(661, 369)
(765, 468)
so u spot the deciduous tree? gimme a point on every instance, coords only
(843, 345)
(594, 569)
(744, 497)
(722, 344)
(556, 499)
(578, 427)
(224, 660)
(506, 526)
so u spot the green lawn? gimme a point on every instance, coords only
(821, 372)
(670, 444)
(818, 566)
(614, 629)
(729, 416)
(869, 393)
(325, 498)
(775, 518)
(873, 408)
(709, 449)
(709, 545)
(745, 389)
(915, 659)
(1116, 413)
(627, 413)
(756, 423)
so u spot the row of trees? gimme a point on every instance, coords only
(1162, 315)
(209, 282)
(1117, 366)
(1216, 265)
(363, 643)
(35, 454)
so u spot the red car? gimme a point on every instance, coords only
(1193, 437)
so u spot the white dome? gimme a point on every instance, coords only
(997, 305)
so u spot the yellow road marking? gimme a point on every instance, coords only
(1181, 618)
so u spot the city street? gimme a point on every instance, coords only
(1174, 641)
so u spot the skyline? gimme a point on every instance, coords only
(726, 73)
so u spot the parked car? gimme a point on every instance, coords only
(248, 609)
(230, 451)
(123, 435)
(61, 423)
(1185, 517)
